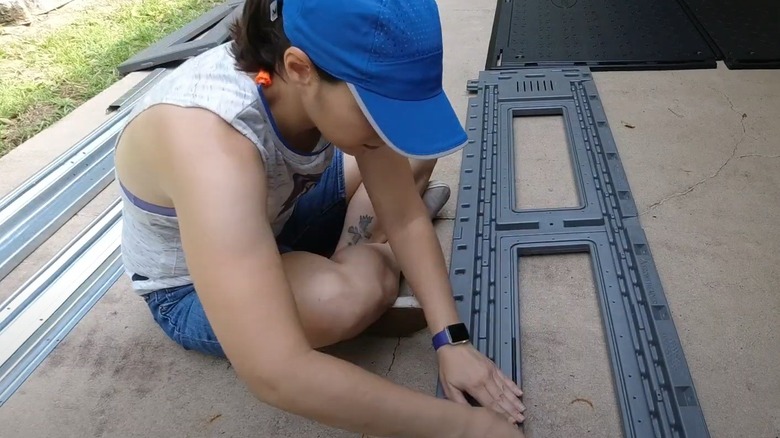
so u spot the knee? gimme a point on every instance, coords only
(388, 287)
(363, 295)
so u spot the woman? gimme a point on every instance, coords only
(271, 193)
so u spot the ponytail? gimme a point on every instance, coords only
(258, 42)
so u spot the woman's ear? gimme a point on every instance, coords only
(299, 67)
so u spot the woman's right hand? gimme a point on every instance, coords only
(488, 423)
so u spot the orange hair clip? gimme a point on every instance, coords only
(263, 78)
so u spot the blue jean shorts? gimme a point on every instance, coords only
(315, 226)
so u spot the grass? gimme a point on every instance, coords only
(46, 76)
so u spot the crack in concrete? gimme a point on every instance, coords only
(676, 114)
(392, 361)
(731, 104)
(759, 155)
(693, 187)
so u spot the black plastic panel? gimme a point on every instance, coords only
(746, 32)
(600, 34)
(654, 388)
(207, 31)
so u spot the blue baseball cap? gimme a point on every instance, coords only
(389, 53)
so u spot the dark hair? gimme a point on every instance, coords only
(259, 43)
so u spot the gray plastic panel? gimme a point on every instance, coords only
(654, 388)
(207, 31)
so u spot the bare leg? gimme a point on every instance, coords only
(340, 297)
(361, 224)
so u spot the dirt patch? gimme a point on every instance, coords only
(54, 19)
(18, 130)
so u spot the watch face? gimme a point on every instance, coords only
(458, 333)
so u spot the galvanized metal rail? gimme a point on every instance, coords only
(41, 205)
(37, 316)
(42, 312)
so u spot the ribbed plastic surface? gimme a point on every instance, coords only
(205, 32)
(746, 33)
(654, 389)
(601, 34)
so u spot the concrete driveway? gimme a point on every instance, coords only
(701, 152)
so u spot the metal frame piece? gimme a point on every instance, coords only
(35, 210)
(42, 312)
(654, 388)
(600, 34)
(133, 94)
(207, 31)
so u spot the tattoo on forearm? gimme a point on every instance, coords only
(360, 231)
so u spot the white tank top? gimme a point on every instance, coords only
(151, 245)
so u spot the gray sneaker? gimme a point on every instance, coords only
(435, 196)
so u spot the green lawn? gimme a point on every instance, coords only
(46, 76)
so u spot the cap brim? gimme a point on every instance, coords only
(417, 129)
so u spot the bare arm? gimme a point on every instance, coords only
(217, 183)
(389, 183)
(388, 179)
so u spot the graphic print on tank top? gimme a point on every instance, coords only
(302, 183)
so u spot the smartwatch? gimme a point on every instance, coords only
(451, 335)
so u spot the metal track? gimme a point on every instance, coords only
(41, 205)
(654, 389)
(207, 31)
(140, 88)
(42, 312)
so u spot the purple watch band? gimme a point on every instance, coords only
(452, 334)
(441, 339)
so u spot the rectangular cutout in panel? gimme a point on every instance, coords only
(654, 387)
(660, 312)
(543, 169)
(685, 396)
(566, 373)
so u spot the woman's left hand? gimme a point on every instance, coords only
(463, 369)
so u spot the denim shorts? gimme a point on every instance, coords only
(315, 226)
